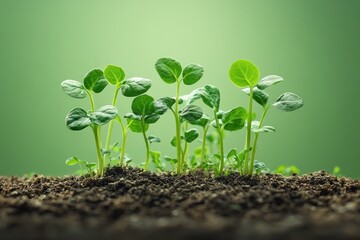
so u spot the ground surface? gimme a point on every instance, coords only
(131, 204)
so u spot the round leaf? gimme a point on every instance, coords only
(244, 73)
(169, 69)
(203, 121)
(135, 86)
(71, 161)
(234, 119)
(191, 113)
(191, 134)
(114, 74)
(259, 96)
(95, 81)
(163, 104)
(103, 115)
(143, 105)
(137, 127)
(77, 119)
(74, 89)
(268, 81)
(211, 96)
(192, 73)
(288, 102)
(149, 119)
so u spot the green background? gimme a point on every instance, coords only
(314, 45)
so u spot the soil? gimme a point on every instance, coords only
(128, 203)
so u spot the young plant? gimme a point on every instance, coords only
(170, 72)
(232, 120)
(146, 111)
(131, 87)
(244, 73)
(78, 119)
(82, 164)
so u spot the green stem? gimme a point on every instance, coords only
(91, 101)
(110, 129)
(147, 145)
(221, 140)
(178, 126)
(256, 139)
(248, 134)
(184, 153)
(204, 144)
(123, 144)
(100, 164)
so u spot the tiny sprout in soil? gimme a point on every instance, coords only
(209, 125)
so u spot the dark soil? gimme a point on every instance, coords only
(132, 204)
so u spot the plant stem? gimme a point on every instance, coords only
(203, 146)
(184, 153)
(147, 145)
(178, 126)
(111, 125)
(100, 164)
(248, 134)
(124, 136)
(91, 101)
(256, 139)
(221, 141)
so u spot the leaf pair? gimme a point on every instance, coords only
(189, 136)
(78, 119)
(170, 70)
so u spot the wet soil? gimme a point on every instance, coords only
(132, 204)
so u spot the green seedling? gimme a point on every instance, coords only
(287, 170)
(131, 87)
(90, 167)
(146, 111)
(170, 71)
(337, 171)
(232, 120)
(78, 119)
(245, 74)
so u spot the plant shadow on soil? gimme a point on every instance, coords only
(128, 203)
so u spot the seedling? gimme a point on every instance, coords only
(245, 74)
(78, 119)
(170, 72)
(232, 120)
(146, 111)
(90, 167)
(131, 87)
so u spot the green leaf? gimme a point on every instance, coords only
(132, 116)
(163, 104)
(191, 112)
(232, 152)
(90, 165)
(95, 81)
(192, 73)
(244, 73)
(74, 89)
(103, 115)
(169, 69)
(136, 126)
(259, 96)
(173, 140)
(288, 102)
(269, 81)
(149, 119)
(170, 160)
(210, 96)
(71, 161)
(234, 119)
(114, 74)
(77, 119)
(153, 139)
(191, 134)
(255, 128)
(135, 86)
(203, 121)
(143, 105)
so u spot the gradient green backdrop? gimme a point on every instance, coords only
(314, 45)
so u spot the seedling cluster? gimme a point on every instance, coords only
(146, 111)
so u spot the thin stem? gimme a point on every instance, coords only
(124, 136)
(178, 126)
(221, 142)
(184, 153)
(110, 128)
(98, 150)
(203, 146)
(248, 134)
(147, 145)
(91, 101)
(256, 139)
